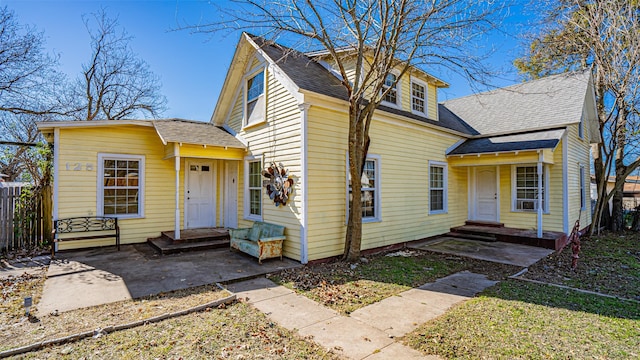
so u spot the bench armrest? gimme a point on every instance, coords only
(239, 233)
(273, 238)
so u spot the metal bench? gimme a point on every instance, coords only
(95, 227)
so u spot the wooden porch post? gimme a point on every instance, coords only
(177, 224)
(540, 196)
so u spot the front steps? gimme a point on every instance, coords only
(481, 231)
(190, 240)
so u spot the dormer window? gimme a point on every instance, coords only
(391, 83)
(418, 97)
(254, 98)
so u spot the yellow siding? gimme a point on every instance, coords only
(77, 193)
(199, 151)
(578, 154)
(551, 221)
(276, 140)
(403, 179)
(501, 159)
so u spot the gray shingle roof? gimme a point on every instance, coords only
(195, 132)
(544, 103)
(547, 139)
(311, 76)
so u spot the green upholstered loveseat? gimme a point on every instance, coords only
(262, 240)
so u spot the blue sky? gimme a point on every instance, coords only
(192, 67)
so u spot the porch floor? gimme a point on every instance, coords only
(550, 239)
(190, 240)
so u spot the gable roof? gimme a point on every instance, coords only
(545, 103)
(194, 132)
(311, 76)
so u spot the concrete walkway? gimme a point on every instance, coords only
(368, 333)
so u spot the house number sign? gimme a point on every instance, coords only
(79, 166)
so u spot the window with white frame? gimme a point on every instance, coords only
(437, 187)
(253, 189)
(525, 189)
(583, 196)
(391, 83)
(418, 98)
(120, 185)
(254, 98)
(370, 189)
(581, 127)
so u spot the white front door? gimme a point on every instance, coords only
(486, 194)
(231, 194)
(199, 195)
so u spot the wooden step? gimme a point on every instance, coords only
(485, 237)
(166, 246)
(484, 223)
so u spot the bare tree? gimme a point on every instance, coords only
(30, 90)
(379, 36)
(115, 83)
(605, 36)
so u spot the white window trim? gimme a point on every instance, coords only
(545, 189)
(247, 200)
(582, 186)
(426, 97)
(581, 127)
(445, 195)
(250, 74)
(398, 103)
(100, 186)
(378, 204)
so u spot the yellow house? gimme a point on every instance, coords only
(489, 158)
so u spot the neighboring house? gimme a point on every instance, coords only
(430, 166)
(630, 192)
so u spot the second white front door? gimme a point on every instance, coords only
(486, 194)
(200, 210)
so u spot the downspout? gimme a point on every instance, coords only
(56, 176)
(304, 248)
(540, 197)
(176, 230)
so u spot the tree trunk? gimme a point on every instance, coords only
(617, 213)
(353, 240)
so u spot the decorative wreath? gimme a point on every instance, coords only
(279, 185)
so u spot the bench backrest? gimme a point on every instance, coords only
(265, 230)
(85, 224)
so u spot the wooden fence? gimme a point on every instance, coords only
(24, 224)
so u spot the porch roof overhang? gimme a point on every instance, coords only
(505, 149)
(198, 139)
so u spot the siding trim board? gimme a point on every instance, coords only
(304, 250)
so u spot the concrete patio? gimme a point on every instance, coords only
(84, 278)
(500, 252)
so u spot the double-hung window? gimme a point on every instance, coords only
(254, 107)
(526, 191)
(391, 84)
(253, 189)
(437, 187)
(120, 185)
(370, 188)
(418, 98)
